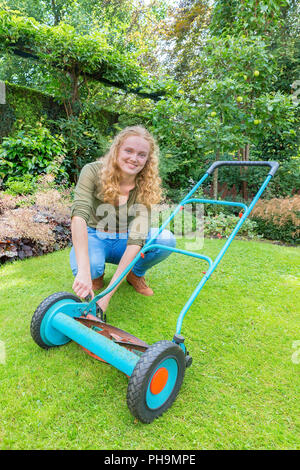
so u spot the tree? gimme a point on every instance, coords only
(248, 17)
(186, 31)
(237, 84)
(119, 29)
(234, 67)
(73, 54)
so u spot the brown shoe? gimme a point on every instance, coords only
(139, 284)
(98, 283)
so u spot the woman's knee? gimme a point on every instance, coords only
(167, 238)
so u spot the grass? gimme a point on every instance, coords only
(241, 391)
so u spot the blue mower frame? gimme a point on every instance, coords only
(155, 372)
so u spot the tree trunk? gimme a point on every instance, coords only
(75, 92)
(245, 157)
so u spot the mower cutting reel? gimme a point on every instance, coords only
(155, 372)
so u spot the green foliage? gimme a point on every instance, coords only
(222, 225)
(32, 151)
(61, 46)
(270, 229)
(74, 54)
(84, 142)
(219, 225)
(231, 79)
(278, 219)
(173, 122)
(20, 186)
(285, 182)
(287, 179)
(226, 109)
(25, 106)
(240, 16)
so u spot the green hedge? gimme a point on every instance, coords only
(26, 105)
(286, 233)
(278, 219)
(29, 106)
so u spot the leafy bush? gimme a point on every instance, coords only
(182, 224)
(84, 144)
(32, 151)
(286, 179)
(24, 185)
(222, 225)
(278, 219)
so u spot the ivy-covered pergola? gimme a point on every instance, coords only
(86, 56)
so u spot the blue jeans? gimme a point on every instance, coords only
(109, 247)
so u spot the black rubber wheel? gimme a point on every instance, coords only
(156, 380)
(188, 360)
(41, 311)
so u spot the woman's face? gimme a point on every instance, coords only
(133, 155)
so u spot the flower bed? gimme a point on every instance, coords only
(33, 225)
(39, 223)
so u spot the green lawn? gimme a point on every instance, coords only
(241, 392)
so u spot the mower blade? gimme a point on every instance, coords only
(113, 333)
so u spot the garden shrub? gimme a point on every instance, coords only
(8, 202)
(222, 225)
(22, 186)
(218, 225)
(20, 223)
(278, 219)
(84, 143)
(27, 106)
(33, 150)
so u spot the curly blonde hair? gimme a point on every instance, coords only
(148, 182)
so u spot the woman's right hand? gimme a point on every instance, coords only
(82, 285)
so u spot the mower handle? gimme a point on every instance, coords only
(273, 165)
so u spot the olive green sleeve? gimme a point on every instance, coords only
(83, 195)
(140, 225)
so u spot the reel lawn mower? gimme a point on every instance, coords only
(156, 371)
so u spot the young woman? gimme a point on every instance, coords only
(111, 215)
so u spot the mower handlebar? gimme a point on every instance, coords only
(273, 165)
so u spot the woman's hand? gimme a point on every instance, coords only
(82, 285)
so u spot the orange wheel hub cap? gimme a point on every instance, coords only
(159, 380)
